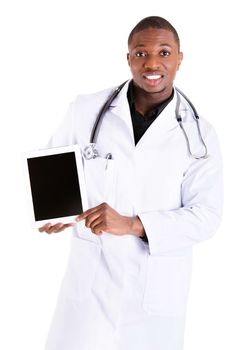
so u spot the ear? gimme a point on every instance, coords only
(180, 59)
(128, 58)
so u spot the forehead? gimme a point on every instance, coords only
(153, 37)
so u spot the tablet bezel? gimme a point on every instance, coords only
(80, 170)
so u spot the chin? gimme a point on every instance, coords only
(154, 90)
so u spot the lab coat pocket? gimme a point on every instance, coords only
(100, 178)
(167, 285)
(81, 269)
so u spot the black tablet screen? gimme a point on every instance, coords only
(55, 186)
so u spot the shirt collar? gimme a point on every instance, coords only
(153, 113)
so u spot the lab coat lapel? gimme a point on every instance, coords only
(120, 108)
(164, 123)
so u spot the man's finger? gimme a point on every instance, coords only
(86, 213)
(58, 228)
(45, 227)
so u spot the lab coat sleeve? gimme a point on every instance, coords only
(200, 213)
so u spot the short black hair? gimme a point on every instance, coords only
(154, 22)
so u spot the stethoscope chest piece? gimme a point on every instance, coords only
(90, 151)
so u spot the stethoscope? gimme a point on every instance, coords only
(90, 151)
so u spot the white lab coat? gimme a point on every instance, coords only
(118, 292)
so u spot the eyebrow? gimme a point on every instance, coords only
(143, 45)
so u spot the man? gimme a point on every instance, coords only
(128, 275)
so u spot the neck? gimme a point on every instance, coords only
(145, 102)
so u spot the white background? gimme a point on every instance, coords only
(52, 50)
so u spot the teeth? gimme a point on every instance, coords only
(152, 77)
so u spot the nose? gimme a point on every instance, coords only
(152, 62)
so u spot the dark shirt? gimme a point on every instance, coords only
(141, 122)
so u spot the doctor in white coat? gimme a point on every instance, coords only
(128, 274)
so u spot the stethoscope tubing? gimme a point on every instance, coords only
(196, 117)
(103, 110)
(113, 95)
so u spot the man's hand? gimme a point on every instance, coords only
(104, 218)
(59, 227)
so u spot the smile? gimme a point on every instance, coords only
(152, 76)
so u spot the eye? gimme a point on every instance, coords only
(165, 53)
(140, 54)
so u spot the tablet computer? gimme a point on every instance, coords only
(55, 185)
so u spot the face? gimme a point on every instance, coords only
(154, 60)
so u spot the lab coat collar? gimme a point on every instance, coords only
(166, 119)
(120, 105)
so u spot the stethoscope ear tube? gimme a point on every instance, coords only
(103, 110)
(196, 117)
(189, 102)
